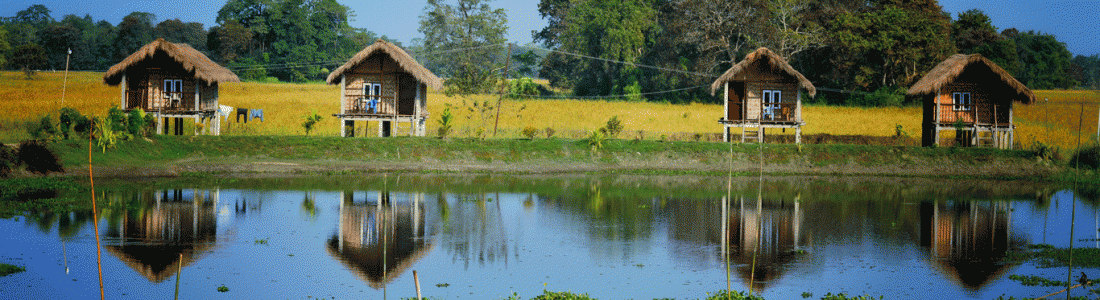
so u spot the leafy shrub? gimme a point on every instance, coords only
(614, 126)
(104, 133)
(310, 121)
(446, 120)
(118, 119)
(67, 117)
(44, 129)
(522, 88)
(8, 161)
(136, 124)
(1087, 157)
(1045, 152)
(549, 132)
(530, 132)
(633, 91)
(38, 158)
(595, 139)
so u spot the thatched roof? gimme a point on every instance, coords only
(763, 55)
(191, 59)
(403, 59)
(949, 70)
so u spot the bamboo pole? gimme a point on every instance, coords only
(65, 82)
(95, 221)
(179, 272)
(417, 281)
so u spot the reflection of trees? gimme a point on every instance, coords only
(152, 229)
(378, 240)
(474, 229)
(968, 240)
(770, 230)
(616, 224)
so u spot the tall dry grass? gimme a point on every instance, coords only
(1053, 120)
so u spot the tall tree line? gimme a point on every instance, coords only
(292, 40)
(850, 45)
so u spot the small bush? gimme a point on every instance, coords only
(549, 132)
(1087, 157)
(310, 121)
(8, 161)
(523, 88)
(446, 120)
(67, 117)
(136, 124)
(44, 129)
(614, 126)
(595, 139)
(118, 119)
(38, 158)
(530, 132)
(1045, 152)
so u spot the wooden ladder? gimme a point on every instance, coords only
(753, 133)
(985, 138)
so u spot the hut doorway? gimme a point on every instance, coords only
(407, 94)
(735, 111)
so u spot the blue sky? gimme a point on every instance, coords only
(1073, 22)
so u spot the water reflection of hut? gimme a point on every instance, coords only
(968, 240)
(379, 241)
(151, 238)
(771, 231)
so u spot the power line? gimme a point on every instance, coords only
(614, 96)
(625, 62)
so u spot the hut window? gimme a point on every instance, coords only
(961, 101)
(372, 90)
(771, 103)
(173, 85)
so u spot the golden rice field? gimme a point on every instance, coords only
(1053, 120)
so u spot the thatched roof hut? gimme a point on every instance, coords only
(192, 60)
(762, 91)
(403, 59)
(768, 58)
(971, 91)
(951, 69)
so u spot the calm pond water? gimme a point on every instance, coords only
(486, 237)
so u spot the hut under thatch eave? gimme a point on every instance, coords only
(973, 96)
(762, 91)
(170, 80)
(383, 83)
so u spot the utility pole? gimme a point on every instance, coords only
(65, 82)
(507, 65)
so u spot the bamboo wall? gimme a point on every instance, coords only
(375, 69)
(983, 105)
(145, 89)
(756, 81)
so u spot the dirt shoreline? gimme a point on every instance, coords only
(921, 167)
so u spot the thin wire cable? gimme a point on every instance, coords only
(612, 96)
(625, 62)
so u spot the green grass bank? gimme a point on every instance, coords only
(175, 155)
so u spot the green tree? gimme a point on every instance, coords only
(4, 47)
(892, 45)
(230, 41)
(473, 26)
(611, 31)
(56, 40)
(177, 31)
(1088, 71)
(36, 15)
(1044, 61)
(298, 34)
(135, 30)
(29, 57)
